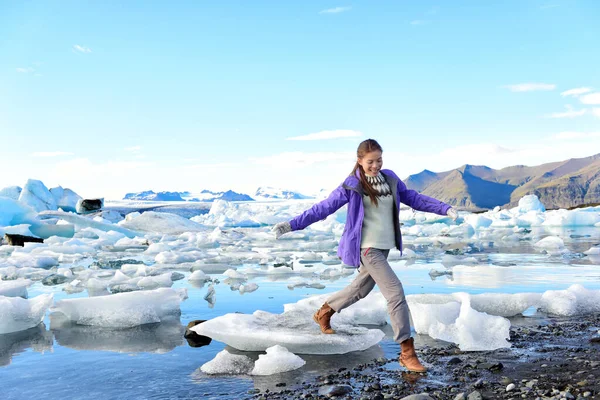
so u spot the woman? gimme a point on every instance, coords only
(372, 228)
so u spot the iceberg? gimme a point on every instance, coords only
(17, 288)
(36, 195)
(84, 222)
(227, 363)
(576, 300)
(17, 314)
(123, 310)
(161, 222)
(277, 360)
(296, 331)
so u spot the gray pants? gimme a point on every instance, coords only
(375, 269)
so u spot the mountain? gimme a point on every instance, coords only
(150, 195)
(271, 193)
(561, 184)
(205, 195)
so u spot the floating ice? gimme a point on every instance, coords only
(551, 243)
(248, 288)
(161, 222)
(84, 222)
(123, 310)
(12, 192)
(198, 275)
(36, 195)
(66, 199)
(594, 251)
(17, 288)
(294, 330)
(530, 202)
(278, 359)
(372, 310)
(17, 314)
(227, 363)
(576, 300)
(233, 274)
(14, 213)
(473, 330)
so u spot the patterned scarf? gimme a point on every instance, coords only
(380, 185)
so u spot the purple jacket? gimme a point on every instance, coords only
(350, 192)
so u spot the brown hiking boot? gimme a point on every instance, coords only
(408, 357)
(323, 318)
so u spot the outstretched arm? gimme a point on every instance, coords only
(420, 202)
(321, 210)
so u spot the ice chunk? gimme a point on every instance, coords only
(551, 243)
(576, 300)
(198, 275)
(227, 363)
(66, 199)
(473, 330)
(278, 359)
(233, 274)
(84, 222)
(12, 192)
(17, 314)
(530, 202)
(372, 310)
(161, 222)
(594, 251)
(294, 330)
(248, 288)
(36, 195)
(123, 310)
(14, 213)
(577, 217)
(478, 221)
(17, 288)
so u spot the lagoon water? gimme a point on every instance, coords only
(62, 360)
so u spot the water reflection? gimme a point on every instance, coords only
(149, 338)
(37, 338)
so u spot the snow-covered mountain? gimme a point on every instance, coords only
(205, 195)
(150, 195)
(272, 193)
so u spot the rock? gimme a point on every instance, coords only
(20, 240)
(510, 387)
(461, 396)
(595, 338)
(85, 206)
(334, 390)
(491, 366)
(113, 264)
(421, 396)
(177, 276)
(123, 288)
(194, 339)
(454, 360)
(475, 396)
(54, 279)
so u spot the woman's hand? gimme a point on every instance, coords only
(452, 214)
(281, 229)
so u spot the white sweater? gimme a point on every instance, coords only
(378, 226)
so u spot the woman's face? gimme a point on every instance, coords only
(371, 163)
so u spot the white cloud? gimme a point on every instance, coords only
(482, 149)
(596, 112)
(592, 98)
(547, 6)
(133, 149)
(82, 49)
(323, 135)
(51, 154)
(335, 10)
(25, 70)
(417, 22)
(576, 92)
(570, 113)
(576, 135)
(298, 159)
(530, 87)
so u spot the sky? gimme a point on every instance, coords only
(110, 97)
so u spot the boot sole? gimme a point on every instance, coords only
(317, 322)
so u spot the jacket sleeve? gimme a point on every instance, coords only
(321, 210)
(420, 202)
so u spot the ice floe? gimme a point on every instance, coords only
(17, 314)
(277, 359)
